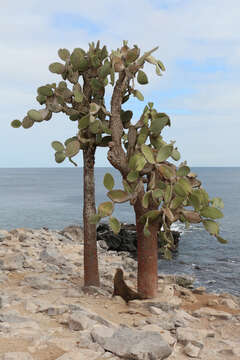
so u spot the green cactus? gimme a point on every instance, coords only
(72, 148)
(57, 68)
(108, 181)
(16, 124)
(59, 157)
(45, 91)
(64, 54)
(27, 122)
(35, 115)
(160, 192)
(58, 146)
(142, 78)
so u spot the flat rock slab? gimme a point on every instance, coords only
(135, 344)
(205, 311)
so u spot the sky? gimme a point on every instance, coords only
(200, 90)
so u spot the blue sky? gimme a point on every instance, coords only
(200, 90)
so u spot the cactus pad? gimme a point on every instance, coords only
(16, 124)
(27, 122)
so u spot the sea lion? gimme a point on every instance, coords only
(121, 288)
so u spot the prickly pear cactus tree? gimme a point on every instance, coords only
(160, 192)
(79, 95)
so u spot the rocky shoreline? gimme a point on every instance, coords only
(47, 314)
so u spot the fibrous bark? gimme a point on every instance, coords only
(147, 255)
(147, 246)
(91, 274)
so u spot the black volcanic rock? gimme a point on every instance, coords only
(126, 240)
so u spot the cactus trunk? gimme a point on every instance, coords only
(91, 274)
(147, 256)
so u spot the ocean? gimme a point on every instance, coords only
(53, 197)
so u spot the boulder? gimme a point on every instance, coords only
(129, 343)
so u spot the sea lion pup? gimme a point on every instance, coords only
(121, 288)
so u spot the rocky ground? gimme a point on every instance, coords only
(47, 314)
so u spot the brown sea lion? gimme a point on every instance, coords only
(121, 288)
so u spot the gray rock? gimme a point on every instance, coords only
(156, 311)
(75, 232)
(165, 323)
(52, 255)
(102, 244)
(139, 322)
(129, 264)
(206, 311)
(85, 339)
(12, 262)
(136, 344)
(182, 318)
(164, 306)
(91, 315)
(38, 305)
(184, 280)
(78, 321)
(188, 334)
(8, 300)
(166, 335)
(16, 356)
(227, 352)
(192, 350)
(94, 290)
(100, 333)
(57, 310)
(38, 282)
(51, 268)
(12, 317)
